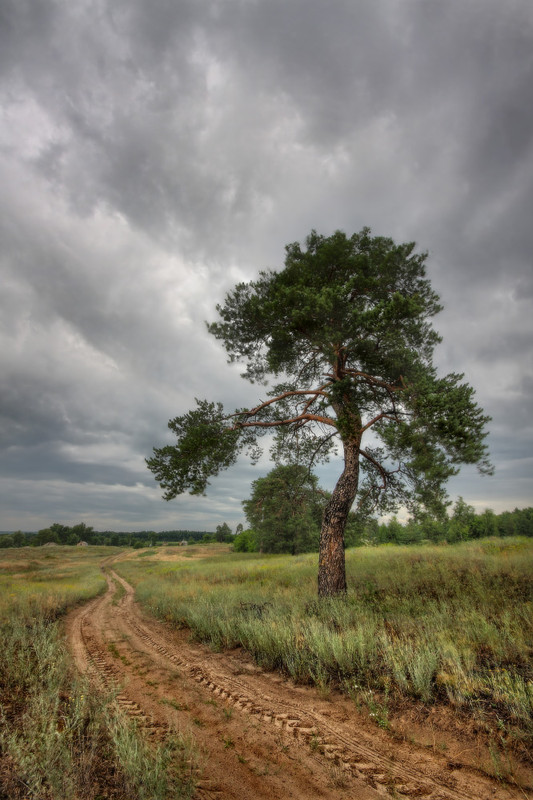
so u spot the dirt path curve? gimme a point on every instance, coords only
(260, 736)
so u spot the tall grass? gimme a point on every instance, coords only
(448, 624)
(58, 738)
(49, 580)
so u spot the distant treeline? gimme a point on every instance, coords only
(462, 525)
(73, 535)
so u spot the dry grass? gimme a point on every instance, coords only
(58, 738)
(436, 624)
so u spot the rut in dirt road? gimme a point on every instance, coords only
(261, 737)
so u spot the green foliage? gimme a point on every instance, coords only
(285, 509)
(462, 521)
(19, 539)
(486, 524)
(339, 291)
(346, 326)
(45, 536)
(206, 444)
(82, 532)
(223, 533)
(245, 542)
(138, 543)
(360, 530)
(464, 524)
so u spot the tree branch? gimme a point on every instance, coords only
(384, 415)
(376, 381)
(381, 469)
(278, 422)
(303, 417)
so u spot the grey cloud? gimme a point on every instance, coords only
(48, 461)
(154, 154)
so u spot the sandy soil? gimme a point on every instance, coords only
(259, 735)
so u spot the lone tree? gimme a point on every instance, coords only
(345, 330)
(284, 510)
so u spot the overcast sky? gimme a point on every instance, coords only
(153, 154)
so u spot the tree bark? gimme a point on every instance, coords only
(331, 561)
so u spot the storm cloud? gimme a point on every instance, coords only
(152, 155)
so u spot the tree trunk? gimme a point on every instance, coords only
(331, 562)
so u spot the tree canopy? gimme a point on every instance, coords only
(285, 510)
(344, 330)
(223, 533)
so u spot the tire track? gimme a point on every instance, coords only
(306, 731)
(380, 772)
(106, 676)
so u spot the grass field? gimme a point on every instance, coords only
(58, 738)
(428, 625)
(450, 625)
(54, 578)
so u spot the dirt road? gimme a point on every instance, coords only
(259, 735)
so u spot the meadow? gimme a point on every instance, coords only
(421, 626)
(59, 738)
(431, 625)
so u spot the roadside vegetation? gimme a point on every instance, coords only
(448, 625)
(59, 738)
